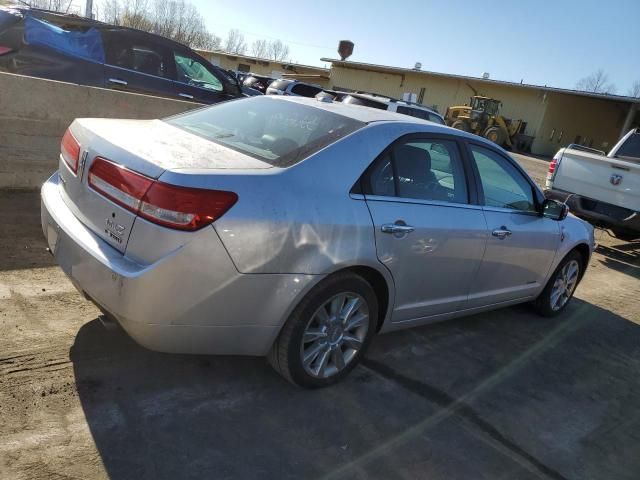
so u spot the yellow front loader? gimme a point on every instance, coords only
(482, 117)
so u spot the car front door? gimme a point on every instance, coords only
(198, 81)
(135, 63)
(521, 244)
(428, 233)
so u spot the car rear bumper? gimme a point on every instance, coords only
(193, 300)
(598, 213)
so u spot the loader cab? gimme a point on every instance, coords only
(484, 105)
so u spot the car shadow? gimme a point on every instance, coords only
(623, 257)
(573, 401)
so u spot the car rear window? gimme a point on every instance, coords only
(278, 132)
(630, 148)
(7, 18)
(365, 102)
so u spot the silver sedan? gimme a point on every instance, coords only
(298, 229)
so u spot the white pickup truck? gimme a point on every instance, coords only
(602, 189)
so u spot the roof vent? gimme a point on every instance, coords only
(485, 75)
(417, 66)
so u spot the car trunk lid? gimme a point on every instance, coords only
(144, 147)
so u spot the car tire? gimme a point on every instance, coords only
(315, 328)
(460, 125)
(561, 286)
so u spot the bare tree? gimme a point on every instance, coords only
(278, 51)
(178, 20)
(634, 91)
(235, 42)
(597, 82)
(260, 49)
(55, 5)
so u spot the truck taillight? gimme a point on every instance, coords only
(70, 150)
(553, 169)
(172, 206)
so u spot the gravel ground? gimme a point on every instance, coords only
(504, 394)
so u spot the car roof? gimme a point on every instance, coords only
(356, 112)
(383, 99)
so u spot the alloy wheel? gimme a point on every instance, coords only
(564, 285)
(334, 335)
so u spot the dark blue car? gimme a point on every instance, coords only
(74, 49)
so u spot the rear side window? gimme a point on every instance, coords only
(279, 132)
(305, 90)
(126, 51)
(435, 118)
(420, 169)
(414, 112)
(84, 44)
(630, 148)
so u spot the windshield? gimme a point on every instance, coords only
(281, 133)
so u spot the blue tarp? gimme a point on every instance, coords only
(86, 44)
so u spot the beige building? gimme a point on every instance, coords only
(555, 117)
(271, 68)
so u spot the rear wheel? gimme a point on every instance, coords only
(460, 125)
(561, 286)
(327, 333)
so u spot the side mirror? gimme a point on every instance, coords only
(555, 210)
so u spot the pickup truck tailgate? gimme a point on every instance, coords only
(606, 179)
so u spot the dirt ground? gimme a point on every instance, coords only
(504, 394)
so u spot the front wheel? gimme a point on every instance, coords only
(327, 333)
(561, 286)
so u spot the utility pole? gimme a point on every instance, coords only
(88, 9)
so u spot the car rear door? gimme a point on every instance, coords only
(199, 81)
(138, 64)
(522, 243)
(428, 232)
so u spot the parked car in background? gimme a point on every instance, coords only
(297, 228)
(603, 189)
(392, 105)
(285, 86)
(257, 82)
(74, 49)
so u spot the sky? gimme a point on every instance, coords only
(552, 42)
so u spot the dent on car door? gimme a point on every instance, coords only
(196, 80)
(521, 244)
(427, 233)
(137, 64)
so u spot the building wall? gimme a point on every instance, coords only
(441, 92)
(598, 122)
(265, 67)
(589, 121)
(34, 113)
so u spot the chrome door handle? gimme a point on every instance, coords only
(117, 81)
(186, 95)
(501, 233)
(396, 228)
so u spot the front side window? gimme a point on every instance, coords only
(420, 169)
(132, 54)
(278, 132)
(503, 185)
(194, 72)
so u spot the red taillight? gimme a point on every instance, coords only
(182, 208)
(70, 149)
(553, 165)
(4, 50)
